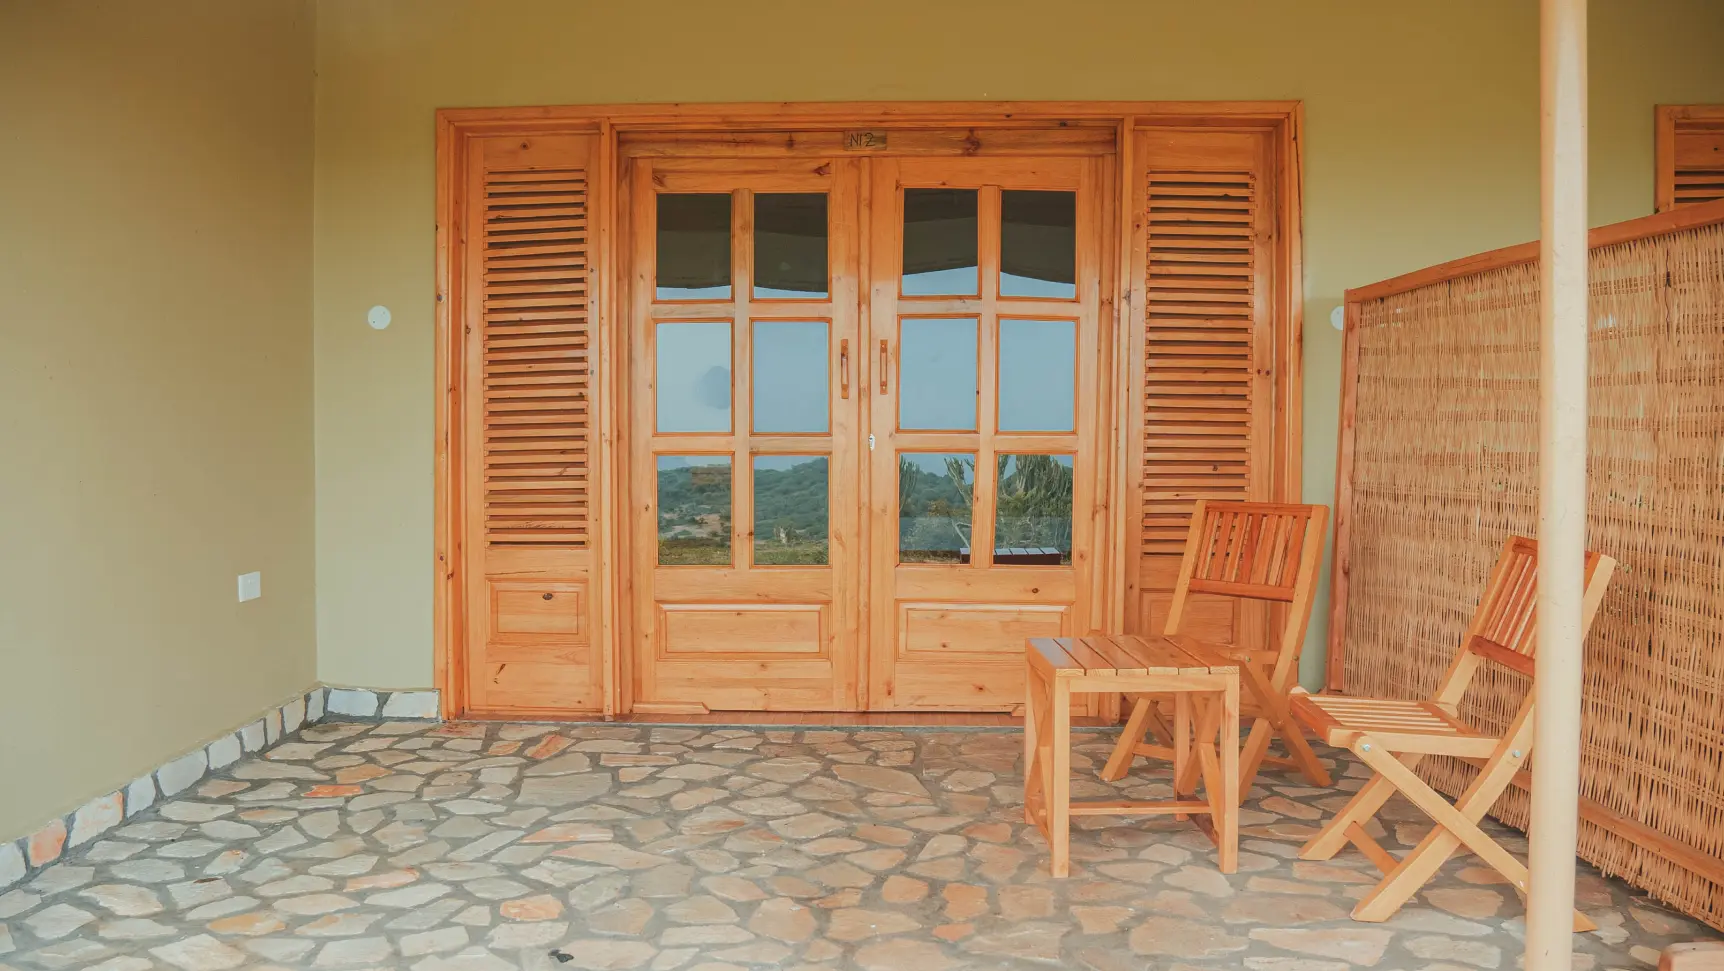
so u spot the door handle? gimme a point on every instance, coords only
(844, 368)
(885, 365)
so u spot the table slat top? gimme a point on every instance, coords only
(1114, 654)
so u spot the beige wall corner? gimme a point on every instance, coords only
(155, 384)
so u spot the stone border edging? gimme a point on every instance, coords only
(29, 854)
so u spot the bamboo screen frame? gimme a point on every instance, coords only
(1438, 462)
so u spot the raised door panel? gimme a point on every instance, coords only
(955, 655)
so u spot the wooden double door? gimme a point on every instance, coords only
(865, 425)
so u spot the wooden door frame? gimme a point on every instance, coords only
(790, 129)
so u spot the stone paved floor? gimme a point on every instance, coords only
(408, 845)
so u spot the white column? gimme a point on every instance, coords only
(1562, 482)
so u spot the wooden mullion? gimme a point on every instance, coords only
(742, 378)
(985, 494)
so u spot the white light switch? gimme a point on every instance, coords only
(250, 586)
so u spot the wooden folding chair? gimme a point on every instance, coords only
(1252, 551)
(1393, 736)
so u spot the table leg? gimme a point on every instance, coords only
(1181, 741)
(1181, 745)
(1031, 713)
(1059, 795)
(1228, 825)
(1209, 764)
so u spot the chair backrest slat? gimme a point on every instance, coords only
(1255, 551)
(1504, 630)
(1249, 549)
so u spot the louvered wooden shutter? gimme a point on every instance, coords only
(528, 439)
(1207, 407)
(533, 351)
(1199, 310)
(1691, 155)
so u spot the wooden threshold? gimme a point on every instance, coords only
(816, 719)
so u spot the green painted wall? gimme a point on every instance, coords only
(1421, 146)
(155, 384)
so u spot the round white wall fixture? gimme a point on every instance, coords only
(378, 317)
(1337, 317)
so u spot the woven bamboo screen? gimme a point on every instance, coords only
(1445, 465)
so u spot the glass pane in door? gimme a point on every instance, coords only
(694, 510)
(692, 390)
(937, 374)
(694, 246)
(940, 243)
(1033, 510)
(790, 379)
(935, 493)
(791, 500)
(790, 245)
(1038, 375)
(1038, 244)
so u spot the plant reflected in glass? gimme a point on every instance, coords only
(935, 494)
(694, 510)
(791, 499)
(1033, 511)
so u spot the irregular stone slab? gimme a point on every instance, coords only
(899, 954)
(181, 773)
(625, 918)
(134, 929)
(94, 818)
(56, 921)
(562, 790)
(613, 855)
(273, 770)
(353, 951)
(851, 924)
(123, 899)
(570, 833)
(1356, 945)
(599, 954)
(199, 953)
(881, 779)
(313, 904)
(701, 909)
(1160, 936)
(515, 937)
(1032, 940)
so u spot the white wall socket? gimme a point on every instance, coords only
(250, 586)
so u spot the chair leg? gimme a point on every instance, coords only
(1457, 825)
(1304, 755)
(1124, 750)
(1276, 718)
(1357, 812)
(1255, 748)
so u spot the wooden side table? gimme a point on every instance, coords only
(1199, 678)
